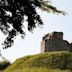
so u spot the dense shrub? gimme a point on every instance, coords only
(4, 65)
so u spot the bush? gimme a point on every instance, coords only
(4, 65)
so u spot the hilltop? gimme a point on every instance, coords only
(58, 61)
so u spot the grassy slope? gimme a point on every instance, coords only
(47, 62)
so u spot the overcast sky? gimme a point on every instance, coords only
(52, 22)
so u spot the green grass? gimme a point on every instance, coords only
(40, 69)
(47, 62)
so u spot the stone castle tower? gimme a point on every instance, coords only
(54, 42)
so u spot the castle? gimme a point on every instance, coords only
(54, 42)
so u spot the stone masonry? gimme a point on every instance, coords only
(54, 42)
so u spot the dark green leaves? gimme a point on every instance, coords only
(12, 14)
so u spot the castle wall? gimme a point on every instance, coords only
(56, 45)
(71, 47)
(43, 46)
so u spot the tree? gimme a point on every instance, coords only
(12, 13)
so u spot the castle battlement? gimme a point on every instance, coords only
(53, 35)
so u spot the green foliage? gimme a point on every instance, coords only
(47, 62)
(12, 13)
(47, 6)
(4, 64)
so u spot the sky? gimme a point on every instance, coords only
(32, 42)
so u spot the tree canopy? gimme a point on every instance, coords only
(12, 14)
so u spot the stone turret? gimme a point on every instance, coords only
(54, 35)
(54, 42)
